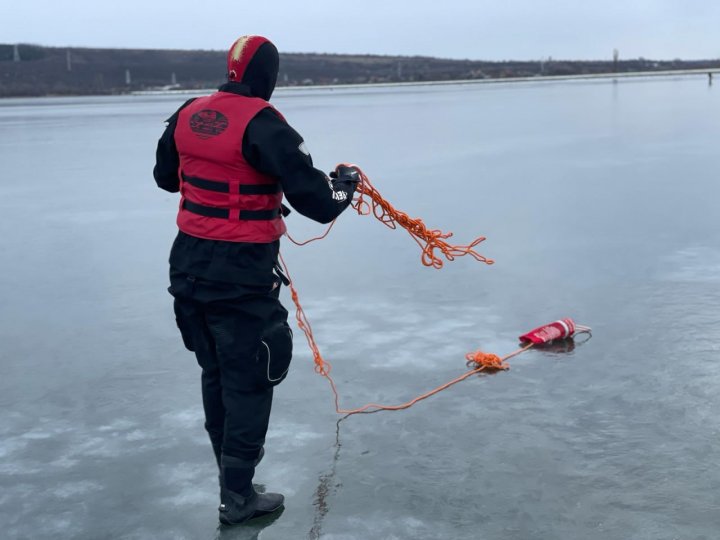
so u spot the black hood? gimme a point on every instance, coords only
(254, 62)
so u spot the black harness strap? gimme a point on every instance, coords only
(224, 213)
(260, 189)
(209, 185)
(224, 187)
(207, 211)
(260, 214)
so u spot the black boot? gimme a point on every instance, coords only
(217, 450)
(218, 456)
(237, 509)
(239, 502)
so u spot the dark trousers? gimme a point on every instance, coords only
(232, 329)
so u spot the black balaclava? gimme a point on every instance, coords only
(254, 61)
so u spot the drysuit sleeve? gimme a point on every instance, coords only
(167, 160)
(273, 147)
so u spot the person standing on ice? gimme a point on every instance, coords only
(232, 156)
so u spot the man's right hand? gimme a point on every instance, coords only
(346, 178)
(346, 172)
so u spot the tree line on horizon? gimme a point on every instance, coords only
(33, 70)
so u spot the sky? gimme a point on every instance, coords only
(478, 30)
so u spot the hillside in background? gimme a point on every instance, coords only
(31, 70)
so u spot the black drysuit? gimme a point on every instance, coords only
(226, 293)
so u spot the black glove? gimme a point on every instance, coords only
(345, 178)
(344, 172)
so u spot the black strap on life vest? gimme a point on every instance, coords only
(224, 187)
(224, 213)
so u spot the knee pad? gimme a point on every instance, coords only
(275, 353)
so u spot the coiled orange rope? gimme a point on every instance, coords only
(428, 240)
(369, 201)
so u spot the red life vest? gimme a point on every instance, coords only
(222, 196)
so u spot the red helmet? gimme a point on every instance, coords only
(254, 61)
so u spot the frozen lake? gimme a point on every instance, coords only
(600, 201)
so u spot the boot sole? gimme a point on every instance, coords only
(256, 515)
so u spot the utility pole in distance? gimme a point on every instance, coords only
(16, 53)
(616, 55)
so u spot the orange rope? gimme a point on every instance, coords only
(323, 235)
(478, 361)
(428, 239)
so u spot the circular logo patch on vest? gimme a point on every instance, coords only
(208, 123)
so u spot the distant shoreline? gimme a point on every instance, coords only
(289, 90)
(505, 80)
(35, 71)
